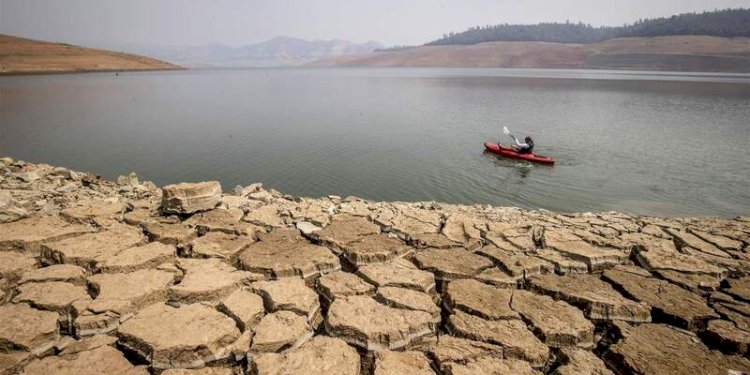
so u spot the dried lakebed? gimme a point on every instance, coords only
(124, 277)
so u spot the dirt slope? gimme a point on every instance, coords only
(27, 56)
(682, 53)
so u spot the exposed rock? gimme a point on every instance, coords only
(515, 263)
(685, 239)
(124, 293)
(696, 283)
(307, 228)
(169, 233)
(54, 296)
(13, 362)
(451, 264)
(719, 241)
(490, 366)
(28, 176)
(355, 208)
(222, 220)
(265, 216)
(499, 278)
(670, 302)
(90, 249)
(725, 336)
(341, 359)
(505, 300)
(557, 323)
(563, 265)
(129, 180)
(435, 241)
(460, 228)
(260, 195)
(408, 299)
(598, 299)
(361, 321)
(200, 371)
(158, 335)
(219, 245)
(279, 331)
(28, 234)
(661, 258)
(374, 248)
(28, 329)
(208, 280)
(449, 349)
(577, 361)
(245, 307)
(102, 360)
(596, 258)
(516, 340)
(59, 272)
(10, 211)
(91, 343)
(13, 264)
(342, 284)
(290, 257)
(187, 198)
(480, 299)
(313, 213)
(398, 273)
(735, 314)
(89, 210)
(139, 257)
(343, 230)
(410, 222)
(397, 363)
(739, 288)
(524, 236)
(292, 295)
(661, 349)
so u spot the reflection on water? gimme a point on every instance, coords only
(649, 143)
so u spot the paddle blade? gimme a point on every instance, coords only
(505, 130)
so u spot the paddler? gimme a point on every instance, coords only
(524, 148)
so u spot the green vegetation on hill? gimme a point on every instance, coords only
(722, 23)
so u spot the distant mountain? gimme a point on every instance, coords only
(279, 51)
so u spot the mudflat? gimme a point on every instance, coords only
(125, 277)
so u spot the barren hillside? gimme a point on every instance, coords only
(679, 53)
(27, 56)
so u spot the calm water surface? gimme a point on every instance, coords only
(644, 143)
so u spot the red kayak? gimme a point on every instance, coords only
(509, 153)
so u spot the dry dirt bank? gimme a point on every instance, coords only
(124, 277)
(671, 53)
(27, 56)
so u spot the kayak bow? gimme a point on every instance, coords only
(510, 153)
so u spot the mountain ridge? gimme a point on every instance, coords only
(277, 51)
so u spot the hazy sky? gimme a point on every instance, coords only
(238, 22)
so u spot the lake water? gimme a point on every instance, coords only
(643, 143)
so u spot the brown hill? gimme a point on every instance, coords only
(27, 56)
(677, 53)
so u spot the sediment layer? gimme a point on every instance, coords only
(104, 276)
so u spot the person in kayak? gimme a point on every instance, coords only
(524, 148)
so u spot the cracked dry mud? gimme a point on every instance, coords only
(128, 278)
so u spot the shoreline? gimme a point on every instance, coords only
(124, 276)
(85, 71)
